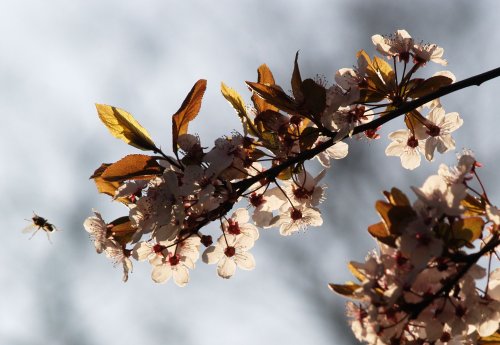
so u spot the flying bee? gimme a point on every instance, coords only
(39, 223)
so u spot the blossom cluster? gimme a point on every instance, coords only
(421, 285)
(261, 171)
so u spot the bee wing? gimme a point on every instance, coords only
(28, 228)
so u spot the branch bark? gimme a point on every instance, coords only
(271, 173)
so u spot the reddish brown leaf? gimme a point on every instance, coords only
(430, 85)
(314, 98)
(132, 167)
(188, 111)
(297, 81)
(275, 96)
(104, 186)
(264, 76)
(122, 230)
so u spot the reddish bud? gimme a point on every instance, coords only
(206, 240)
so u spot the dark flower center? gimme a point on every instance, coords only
(230, 251)
(174, 259)
(233, 227)
(412, 142)
(296, 214)
(433, 130)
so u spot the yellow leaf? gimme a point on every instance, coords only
(473, 206)
(467, 230)
(188, 111)
(238, 104)
(385, 71)
(355, 272)
(396, 218)
(123, 126)
(346, 289)
(493, 339)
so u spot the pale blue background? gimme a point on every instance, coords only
(58, 58)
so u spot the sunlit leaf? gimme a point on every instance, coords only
(382, 234)
(264, 76)
(297, 81)
(385, 71)
(373, 73)
(473, 206)
(238, 104)
(355, 272)
(493, 339)
(188, 111)
(133, 167)
(122, 230)
(395, 217)
(275, 96)
(467, 230)
(346, 290)
(396, 197)
(106, 187)
(122, 125)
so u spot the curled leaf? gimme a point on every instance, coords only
(122, 125)
(188, 111)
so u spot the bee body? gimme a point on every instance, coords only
(39, 223)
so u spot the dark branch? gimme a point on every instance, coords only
(271, 173)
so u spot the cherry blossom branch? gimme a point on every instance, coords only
(415, 309)
(271, 173)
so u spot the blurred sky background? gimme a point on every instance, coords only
(58, 58)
